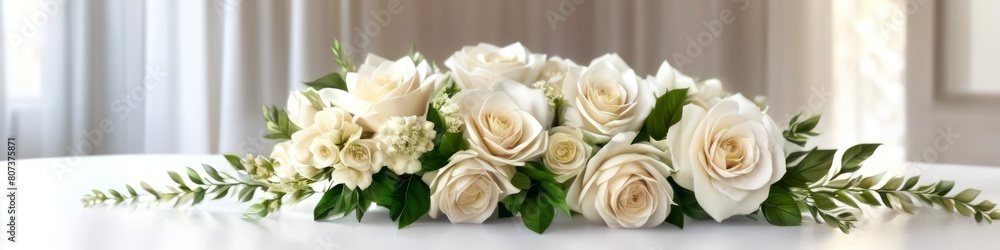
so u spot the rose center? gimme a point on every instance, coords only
(634, 198)
(497, 57)
(471, 194)
(565, 151)
(734, 154)
(499, 125)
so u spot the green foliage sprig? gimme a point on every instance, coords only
(540, 196)
(833, 194)
(279, 127)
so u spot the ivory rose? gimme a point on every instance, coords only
(606, 98)
(704, 94)
(477, 67)
(506, 123)
(567, 152)
(281, 163)
(623, 185)
(468, 188)
(381, 89)
(729, 156)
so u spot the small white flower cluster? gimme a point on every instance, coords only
(255, 166)
(403, 140)
(450, 111)
(551, 93)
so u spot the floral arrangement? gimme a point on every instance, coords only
(509, 132)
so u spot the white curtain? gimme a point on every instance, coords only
(161, 76)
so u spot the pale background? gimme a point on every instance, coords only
(163, 76)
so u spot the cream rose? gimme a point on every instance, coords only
(606, 98)
(337, 125)
(381, 89)
(468, 188)
(300, 110)
(704, 94)
(623, 185)
(324, 152)
(728, 156)
(352, 178)
(282, 164)
(567, 152)
(477, 67)
(507, 123)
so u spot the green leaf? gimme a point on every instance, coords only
(966, 196)
(808, 124)
(451, 143)
(985, 206)
(234, 161)
(131, 191)
(145, 186)
(676, 216)
(256, 211)
(411, 200)
(434, 116)
(332, 80)
(815, 165)
(666, 112)
(279, 127)
(553, 194)
(339, 200)
(176, 177)
(855, 155)
(383, 184)
(687, 202)
(194, 176)
(535, 171)
(943, 187)
(794, 156)
(246, 194)
(362, 205)
(780, 208)
(521, 181)
(214, 174)
(514, 202)
(536, 213)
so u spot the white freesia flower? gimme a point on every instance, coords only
(606, 99)
(363, 155)
(381, 89)
(623, 185)
(282, 163)
(359, 160)
(337, 125)
(728, 156)
(300, 110)
(351, 178)
(468, 188)
(506, 123)
(704, 94)
(404, 139)
(324, 152)
(301, 157)
(477, 67)
(567, 152)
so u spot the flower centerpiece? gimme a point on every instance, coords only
(510, 132)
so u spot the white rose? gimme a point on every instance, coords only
(381, 89)
(728, 156)
(468, 188)
(567, 153)
(606, 99)
(623, 185)
(300, 110)
(507, 123)
(554, 72)
(477, 67)
(281, 163)
(704, 94)
(301, 156)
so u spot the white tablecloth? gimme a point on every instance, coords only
(50, 216)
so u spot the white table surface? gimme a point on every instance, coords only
(50, 216)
